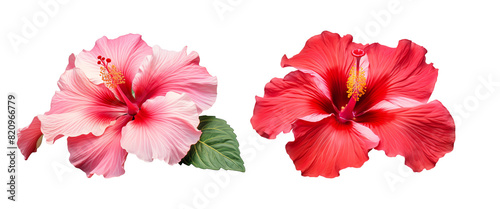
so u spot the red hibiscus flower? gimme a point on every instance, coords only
(347, 98)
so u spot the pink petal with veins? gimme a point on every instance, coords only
(165, 128)
(178, 72)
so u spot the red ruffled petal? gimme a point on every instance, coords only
(286, 100)
(330, 56)
(422, 134)
(101, 155)
(324, 148)
(397, 73)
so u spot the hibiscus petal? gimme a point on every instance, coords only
(164, 129)
(395, 102)
(71, 62)
(178, 72)
(81, 107)
(126, 53)
(29, 138)
(330, 56)
(101, 155)
(422, 134)
(397, 73)
(325, 147)
(286, 100)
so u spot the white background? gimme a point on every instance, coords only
(243, 46)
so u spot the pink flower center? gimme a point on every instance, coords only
(356, 87)
(112, 78)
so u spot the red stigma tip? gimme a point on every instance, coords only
(108, 60)
(99, 57)
(98, 62)
(358, 53)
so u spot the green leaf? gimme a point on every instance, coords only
(217, 147)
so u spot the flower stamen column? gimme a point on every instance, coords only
(112, 78)
(356, 85)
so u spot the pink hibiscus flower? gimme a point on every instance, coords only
(124, 97)
(347, 98)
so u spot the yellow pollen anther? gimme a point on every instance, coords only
(356, 85)
(111, 76)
